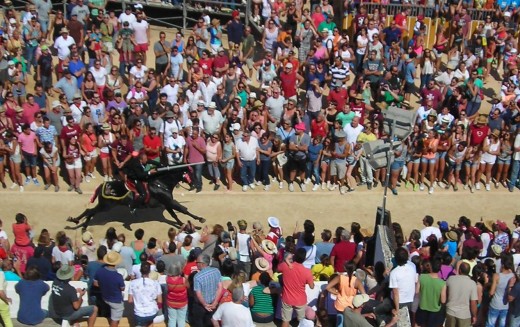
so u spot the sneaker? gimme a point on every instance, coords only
(244, 188)
(216, 187)
(455, 188)
(21, 188)
(332, 187)
(394, 191)
(328, 184)
(471, 189)
(375, 184)
(291, 187)
(79, 191)
(267, 187)
(105, 178)
(307, 181)
(12, 187)
(27, 180)
(421, 187)
(280, 185)
(110, 178)
(303, 187)
(56, 188)
(369, 186)
(477, 186)
(70, 188)
(511, 189)
(407, 184)
(442, 185)
(87, 178)
(343, 189)
(198, 190)
(316, 187)
(430, 191)
(92, 176)
(323, 185)
(416, 187)
(46, 187)
(258, 183)
(35, 182)
(252, 186)
(434, 184)
(488, 187)
(465, 186)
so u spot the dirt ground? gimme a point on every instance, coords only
(46, 209)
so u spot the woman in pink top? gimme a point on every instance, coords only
(22, 248)
(72, 155)
(429, 159)
(213, 157)
(27, 141)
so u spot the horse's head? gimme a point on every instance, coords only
(171, 175)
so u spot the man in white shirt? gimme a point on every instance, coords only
(403, 279)
(171, 90)
(212, 119)
(248, 157)
(142, 36)
(424, 111)
(175, 147)
(169, 124)
(208, 88)
(63, 43)
(127, 16)
(77, 107)
(353, 130)
(233, 314)
(274, 105)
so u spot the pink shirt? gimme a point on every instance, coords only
(194, 156)
(29, 111)
(294, 281)
(27, 142)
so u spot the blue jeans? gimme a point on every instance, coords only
(425, 79)
(313, 170)
(30, 55)
(494, 315)
(247, 171)
(264, 171)
(472, 108)
(514, 321)
(197, 175)
(177, 317)
(515, 170)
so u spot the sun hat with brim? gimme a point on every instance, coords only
(86, 237)
(359, 300)
(501, 225)
(68, 111)
(236, 126)
(169, 114)
(253, 95)
(481, 119)
(65, 272)
(496, 249)
(112, 258)
(154, 275)
(64, 30)
(268, 246)
(258, 104)
(18, 109)
(300, 127)
(432, 114)
(365, 232)
(451, 66)
(489, 224)
(44, 47)
(452, 235)
(261, 264)
(358, 97)
(495, 133)
(105, 127)
(273, 222)
(212, 105)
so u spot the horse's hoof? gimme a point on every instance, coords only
(73, 220)
(127, 227)
(68, 228)
(198, 227)
(201, 220)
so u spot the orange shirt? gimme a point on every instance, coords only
(86, 141)
(21, 236)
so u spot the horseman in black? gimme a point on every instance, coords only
(135, 170)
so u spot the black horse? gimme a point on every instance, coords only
(160, 186)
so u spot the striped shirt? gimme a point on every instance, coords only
(263, 302)
(339, 73)
(207, 281)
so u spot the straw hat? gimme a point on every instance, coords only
(359, 300)
(64, 30)
(112, 258)
(268, 246)
(358, 97)
(18, 109)
(65, 272)
(481, 119)
(86, 237)
(489, 224)
(365, 232)
(495, 133)
(452, 235)
(105, 127)
(496, 249)
(215, 21)
(261, 264)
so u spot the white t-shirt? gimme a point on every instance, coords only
(422, 114)
(516, 156)
(404, 279)
(139, 74)
(62, 45)
(427, 231)
(247, 150)
(136, 270)
(145, 292)
(100, 75)
(127, 18)
(77, 112)
(140, 29)
(233, 315)
(352, 133)
(166, 129)
(64, 257)
(363, 42)
(195, 242)
(171, 92)
(175, 144)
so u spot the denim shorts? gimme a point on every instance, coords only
(143, 321)
(29, 159)
(428, 161)
(397, 165)
(454, 166)
(470, 164)
(441, 155)
(501, 161)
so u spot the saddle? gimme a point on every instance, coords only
(113, 191)
(130, 186)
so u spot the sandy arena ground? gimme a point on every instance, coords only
(46, 209)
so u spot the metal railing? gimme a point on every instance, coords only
(416, 10)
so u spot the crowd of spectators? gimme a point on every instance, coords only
(461, 275)
(294, 110)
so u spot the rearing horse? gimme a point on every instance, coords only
(160, 186)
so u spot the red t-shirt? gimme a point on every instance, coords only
(206, 65)
(190, 267)
(342, 252)
(294, 281)
(153, 143)
(359, 110)
(433, 94)
(400, 20)
(341, 97)
(318, 128)
(68, 132)
(29, 111)
(478, 134)
(220, 61)
(21, 237)
(288, 84)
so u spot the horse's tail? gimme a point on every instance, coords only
(96, 194)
